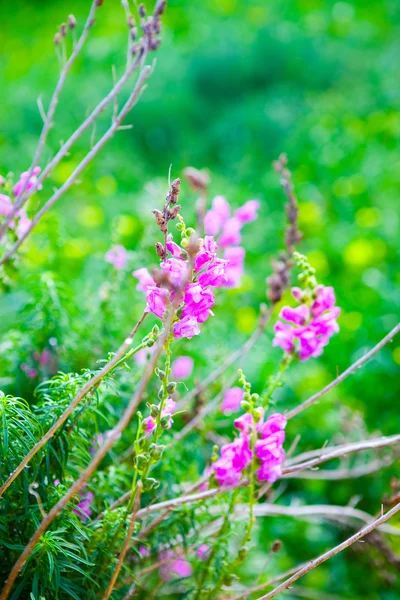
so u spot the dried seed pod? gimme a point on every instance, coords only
(160, 250)
(199, 180)
(160, 219)
(57, 39)
(173, 212)
(63, 29)
(71, 22)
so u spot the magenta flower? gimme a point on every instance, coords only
(214, 275)
(29, 371)
(230, 233)
(145, 279)
(310, 329)
(178, 565)
(182, 367)
(187, 327)
(203, 551)
(232, 400)
(216, 217)
(117, 256)
(235, 457)
(157, 299)
(5, 205)
(274, 423)
(235, 267)
(31, 183)
(206, 254)
(248, 212)
(82, 509)
(198, 302)
(175, 269)
(174, 249)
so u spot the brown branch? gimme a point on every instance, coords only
(144, 75)
(22, 196)
(78, 398)
(359, 363)
(312, 564)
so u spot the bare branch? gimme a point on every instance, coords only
(312, 564)
(359, 363)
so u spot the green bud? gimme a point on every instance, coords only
(160, 374)
(180, 226)
(156, 330)
(150, 343)
(255, 398)
(160, 393)
(141, 462)
(156, 451)
(171, 387)
(154, 410)
(245, 405)
(165, 422)
(189, 231)
(258, 413)
(184, 243)
(150, 484)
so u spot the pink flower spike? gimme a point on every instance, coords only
(230, 233)
(117, 256)
(145, 279)
(248, 212)
(232, 400)
(298, 315)
(325, 300)
(182, 367)
(221, 206)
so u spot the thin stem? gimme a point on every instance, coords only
(312, 564)
(127, 541)
(144, 75)
(50, 114)
(359, 363)
(80, 395)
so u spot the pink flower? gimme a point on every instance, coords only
(230, 233)
(157, 299)
(235, 457)
(244, 423)
(297, 293)
(325, 300)
(82, 509)
(234, 269)
(232, 400)
(198, 302)
(145, 279)
(182, 367)
(274, 423)
(298, 315)
(28, 370)
(117, 256)
(284, 336)
(248, 212)
(206, 254)
(214, 275)
(312, 329)
(5, 205)
(31, 183)
(175, 269)
(174, 249)
(177, 565)
(202, 551)
(216, 217)
(187, 327)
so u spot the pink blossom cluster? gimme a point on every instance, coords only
(219, 220)
(149, 423)
(232, 400)
(311, 327)
(237, 456)
(198, 297)
(21, 222)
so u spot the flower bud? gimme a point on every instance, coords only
(156, 451)
(165, 421)
(245, 405)
(180, 226)
(189, 231)
(57, 39)
(156, 330)
(63, 29)
(71, 22)
(171, 387)
(141, 462)
(160, 374)
(154, 410)
(142, 10)
(150, 343)
(150, 484)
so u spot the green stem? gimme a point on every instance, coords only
(276, 380)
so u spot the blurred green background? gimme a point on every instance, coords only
(236, 83)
